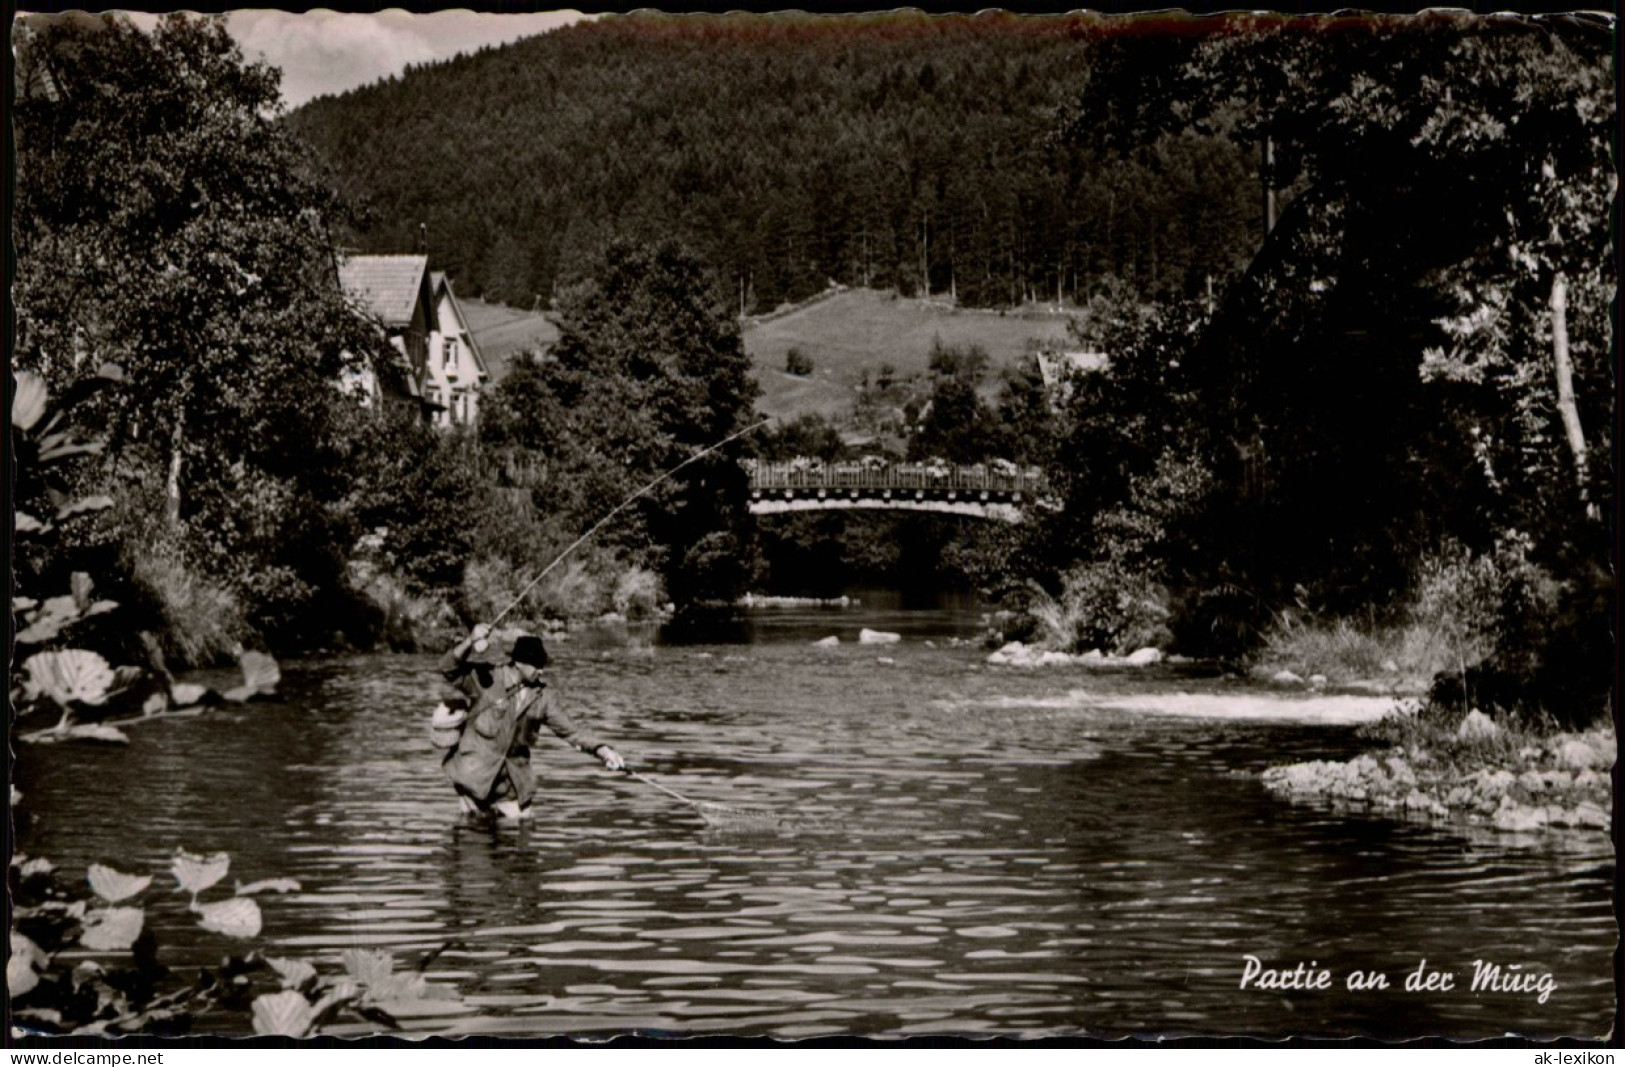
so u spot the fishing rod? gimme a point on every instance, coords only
(480, 646)
(713, 813)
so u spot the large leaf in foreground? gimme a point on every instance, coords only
(28, 403)
(70, 675)
(54, 616)
(294, 973)
(284, 1014)
(114, 886)
(368, 966)
(20, 976)
(237, 917)
(112, 929)
(197, 873)
(260, 672)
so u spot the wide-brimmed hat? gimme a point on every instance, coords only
(528, 648)
(510, 645)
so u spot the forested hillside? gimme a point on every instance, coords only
(898, 151)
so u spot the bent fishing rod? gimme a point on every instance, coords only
(480, 646)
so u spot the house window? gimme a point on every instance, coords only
(450, 352)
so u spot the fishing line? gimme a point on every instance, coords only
(721, 815)
(622, 506)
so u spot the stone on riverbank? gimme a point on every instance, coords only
(827, 642)
(1016, 654)
(1580, 756)
(1539, 790)
(1477, 724)
(877, 637)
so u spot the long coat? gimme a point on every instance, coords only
(491, 760)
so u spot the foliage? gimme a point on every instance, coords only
(70, 681)
(900, 152)
(79, 684)
(161, 153)
(200, 620)
(89, 964)
(647, 372)
(166, 220)
(388, 612)
(1554, 653)
(1435, 728)
(414, 492)
(809, 436)
(1439, 271)
(638, 595)
(956, 425)
(798, 363)
(1027, 422)
(1101, 606)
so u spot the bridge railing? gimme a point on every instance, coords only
(898, 476)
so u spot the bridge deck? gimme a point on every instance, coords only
(802, 476)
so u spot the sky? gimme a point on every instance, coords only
(323, 52)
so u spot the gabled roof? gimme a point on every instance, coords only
(388, 286)
(439, 281)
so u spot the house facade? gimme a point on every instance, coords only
(438, 368)
(457, 370)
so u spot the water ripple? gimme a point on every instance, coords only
(985, 852)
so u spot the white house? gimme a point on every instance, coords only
(439, 368)
(457, 369)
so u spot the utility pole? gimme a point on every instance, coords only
(1267, 173)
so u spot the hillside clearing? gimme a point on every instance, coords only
(847, 335)
(858, 330)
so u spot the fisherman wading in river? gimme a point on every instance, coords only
(487, 745)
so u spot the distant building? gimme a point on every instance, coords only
(1058, 369)
(439, 367)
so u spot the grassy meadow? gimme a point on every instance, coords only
(857, 330)
(501, 331)
(846, 335)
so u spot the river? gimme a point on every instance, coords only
(968, 850)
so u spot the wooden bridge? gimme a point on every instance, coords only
(997, 490)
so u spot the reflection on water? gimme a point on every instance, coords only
(972, 855)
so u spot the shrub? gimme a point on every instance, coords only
(202, 622)
(1104, 606)
(798, 363)
(574, 590)
(1485, 630)
(1435, 729)
(1554, 651)
(1456, 604)
(400, 619)
(570, 591)
(637, 594)
(1337, 648)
